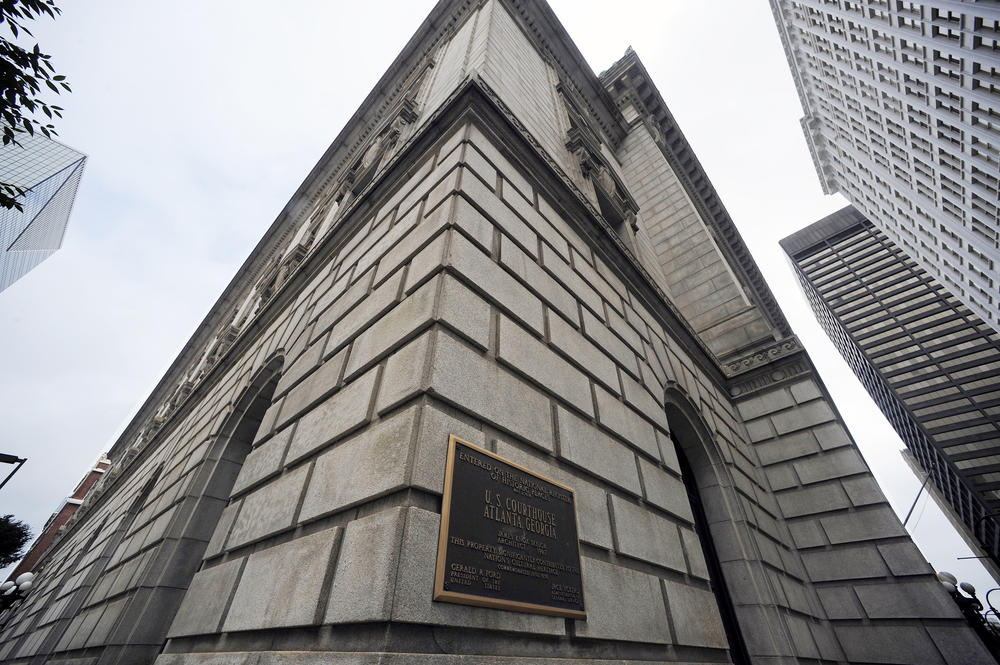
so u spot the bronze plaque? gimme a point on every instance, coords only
(508, 537)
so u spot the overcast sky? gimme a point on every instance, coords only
(200, 119)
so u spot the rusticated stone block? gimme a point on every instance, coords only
(665, 491)
(584, 353)
(501, 287)
(221, 531)
(365, 576)
(887, 644)
(269, 509)
(361, 468)
(463, 377)
(436, 428)
(805, 391)
(625, 422)
(812, 499)
(321, 382)
(863, 491)
(392, 328)
(844, 462)
(844, 563)
(960, 646)
(538, 280)
(802, 416)
(281, 585)
(343, 303)
(206, 600)
(867, 524)
(403, 377)
(840, 602)
(530, 357)
(622, 604)
(668, 451)
(499, 213)
(533, 219)
(647, 536)
(925, 599)
(904, 558)
(594, 451)
(602, 336)
(302, 366)
(695, 616)
(489, 152)
(789, 447)
(337, 416)
(764, 403)
(582, 266)
(464, 312)
(263, 461)
(562, 271)
(638, 396)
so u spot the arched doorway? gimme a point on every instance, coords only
(186, 538)
(698, 472)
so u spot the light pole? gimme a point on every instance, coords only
(11, 459)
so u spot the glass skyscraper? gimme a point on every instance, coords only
(50, 172)
(928, 361)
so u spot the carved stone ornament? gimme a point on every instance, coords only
(782, 371)
(767, 355)
(617, 205)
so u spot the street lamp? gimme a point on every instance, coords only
(971, 608)
(11, 459)
(13, 591)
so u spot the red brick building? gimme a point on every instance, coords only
(61, 516)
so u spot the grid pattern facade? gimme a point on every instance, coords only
(50, 172)
(902, 116)
(929, 362)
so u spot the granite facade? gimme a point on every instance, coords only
(465, 275)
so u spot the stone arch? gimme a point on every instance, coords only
(187, 536)
(76, 599)
(730, 548)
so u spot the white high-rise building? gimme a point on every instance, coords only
(902, 116)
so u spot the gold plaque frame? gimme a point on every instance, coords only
(441, 594)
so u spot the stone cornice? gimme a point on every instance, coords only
(443, 20)
(685, 164)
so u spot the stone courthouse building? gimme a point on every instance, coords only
(504, 247)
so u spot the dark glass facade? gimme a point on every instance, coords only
(931, 364)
